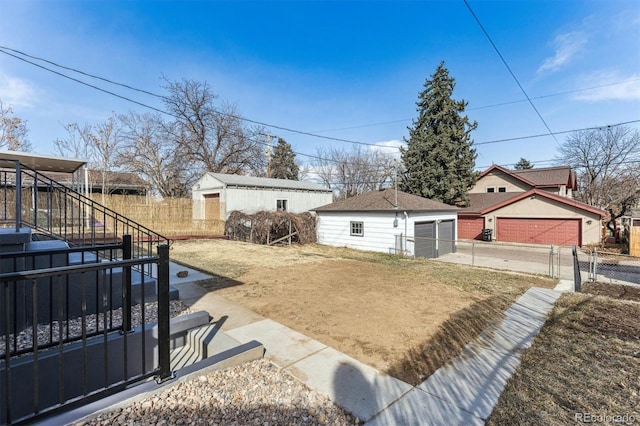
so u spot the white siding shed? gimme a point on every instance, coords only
(216, 195)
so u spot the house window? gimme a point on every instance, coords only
(281, 205)
(502, 189)
(357, 229)
(491, 189)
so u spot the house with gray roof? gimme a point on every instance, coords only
(529, 206)
(389, 221)
(216, 195)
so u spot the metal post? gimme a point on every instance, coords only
(577, 279)
(18, 196)
(126, 285)
(595, 265)
(559, 251)
(473, 253)
(164, 357)
(551, 263)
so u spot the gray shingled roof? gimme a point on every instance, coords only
(546, 176)
(252, 181)
(479, 202)
(384, 201)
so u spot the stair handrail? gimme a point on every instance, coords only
(85, 204)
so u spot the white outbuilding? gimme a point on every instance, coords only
(216, 195)
(389, 221)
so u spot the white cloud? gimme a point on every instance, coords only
(613, 85)
(390, 147)
(566, 46)
(16, 92)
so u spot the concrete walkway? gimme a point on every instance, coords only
(463, 392)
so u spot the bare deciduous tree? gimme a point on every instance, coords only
(356, 171)
(213, 136)
(148, 150)
(100, 147)
(75, 145)
(607, 162)
(13, 131)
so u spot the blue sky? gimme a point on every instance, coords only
(344, 69)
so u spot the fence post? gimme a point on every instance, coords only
(595, 265)
(551, 264)
(126, 284)
(559, 251)
(577, 278)
(18, 196)
(473, 253)
(164, 356)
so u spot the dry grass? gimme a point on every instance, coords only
(404, 316)
(586, 359)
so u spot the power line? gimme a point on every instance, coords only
(257, 122)
(556, 133)
(568, 92)
(248, 120)
(510, 71)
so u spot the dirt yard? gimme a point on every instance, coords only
(403, 316)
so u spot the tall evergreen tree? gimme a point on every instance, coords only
(283, 165)
(523, 164)
(439, 158)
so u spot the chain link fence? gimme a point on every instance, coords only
(548, 260)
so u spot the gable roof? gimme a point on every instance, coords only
(385, 201)
(262, 182)
(485, 203)
(542, 177)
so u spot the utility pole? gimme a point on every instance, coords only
(268, 152)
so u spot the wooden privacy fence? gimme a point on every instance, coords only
(172, 217)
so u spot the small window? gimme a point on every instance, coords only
(502, 189)
(357, 229)
(281, 205)
(491, 189)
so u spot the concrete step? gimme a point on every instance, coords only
(207, 342)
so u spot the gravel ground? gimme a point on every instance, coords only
(256, 393)
(48, 334)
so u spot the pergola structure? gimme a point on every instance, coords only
(43, 163)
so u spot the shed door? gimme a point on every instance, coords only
(470, 228)
(446, 236)
(425, 239)
(539, 231)
(212, 206)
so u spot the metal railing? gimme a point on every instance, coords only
(31, 199)
(59, 361)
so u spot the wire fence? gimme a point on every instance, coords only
(548, 260)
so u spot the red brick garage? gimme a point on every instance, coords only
(470, 228)
(539, 231)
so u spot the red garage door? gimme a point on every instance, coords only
(539, 231)
(470, 228)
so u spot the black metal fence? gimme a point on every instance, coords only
(53, 360)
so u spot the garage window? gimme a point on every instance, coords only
(357, 229)
(502, 189)
(281, 205)
(491, 189)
